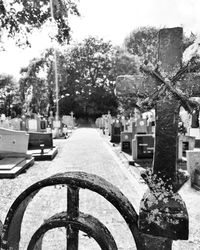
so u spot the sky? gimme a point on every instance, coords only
(112, 20)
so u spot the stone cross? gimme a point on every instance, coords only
(165, 87)
(162, 210)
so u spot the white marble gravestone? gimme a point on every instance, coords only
(12, 141)
(16, 123)
(32, 125)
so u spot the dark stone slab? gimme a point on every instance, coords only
(47, 155)
(126, 142)
(38, 138)
(116, 130)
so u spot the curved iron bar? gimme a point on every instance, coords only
(12, 224)
(84, 222)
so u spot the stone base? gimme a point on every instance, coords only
(48, 154)
(12, 167)
(164, 216)
(154, 242)
(115, 139)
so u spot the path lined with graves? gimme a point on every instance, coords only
(86, 150)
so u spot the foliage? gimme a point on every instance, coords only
(143, 42)
(9, 95)
(89, 75)
(35, 91)
(22, 16)
(125, 63)
(86, 79)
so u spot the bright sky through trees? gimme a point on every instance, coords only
(112, 20)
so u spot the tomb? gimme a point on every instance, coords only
(143, 147)
(13, 153)
(193, 167)
(116, 130)
(126, 142)
(140, 126)
(41, 125)
(32, 125)
(16, 124)
(41, 146)
(185, 143)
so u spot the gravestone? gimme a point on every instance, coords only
(116, 132)
(142, 147)
(126, 142)
(32, 125)
(13, 141)
(140, 126)
(50, 120)
(165, 86)
(4, 122)
(185, 143)
(41, 146)
(24, 123)
(109, 122)
(15, 124)
(193, 167)
(41, 124)
(13, 153)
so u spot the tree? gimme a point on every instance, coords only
(22, 16)
(167, 86)
(89, 75)
(143, 42)
(37, 88)
(9, 95)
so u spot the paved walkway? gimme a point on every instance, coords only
(85, 150)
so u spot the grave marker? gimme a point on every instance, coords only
(167, 98)
(13, 153)
(41, 146)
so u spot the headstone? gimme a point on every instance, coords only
(36, 139)
(12, 141)
(41, 124)
(41, 146)
(4, 123)
(193, 167)
(24, 123)
(126, 142)
(51, 119)
(116, 132)
(32, 125)
(195, 132)
(185, 143)
(109, 122)
(141, 126)
(143, 147)
(16, 123)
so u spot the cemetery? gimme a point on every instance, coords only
(100, 143)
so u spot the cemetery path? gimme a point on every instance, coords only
(86, 150)
(89, 151)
